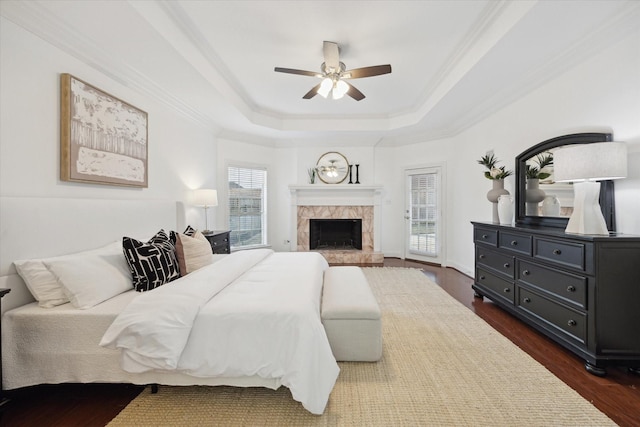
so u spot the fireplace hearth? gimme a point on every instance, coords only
(340, 234)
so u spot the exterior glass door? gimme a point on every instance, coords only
(423, 214)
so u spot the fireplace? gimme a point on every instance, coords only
(338, 202)
(340, 234)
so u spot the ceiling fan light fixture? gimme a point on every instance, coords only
(325, 87)
(340, 89)
(333, 71)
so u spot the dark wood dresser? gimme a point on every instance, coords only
(582, 291)
(219, 240)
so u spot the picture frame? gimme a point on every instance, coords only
(103, 139)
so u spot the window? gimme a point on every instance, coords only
(247, 206)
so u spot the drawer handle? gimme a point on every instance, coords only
(507, 290)
(571, 288)
(481, 256)
(482, 277)
(514, 243)
(572, 322)
(485, 236)
(527, 300)
(526, 273)
(557, 251)
(506, 265)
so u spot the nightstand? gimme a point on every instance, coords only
(219, 240)
(3, 400)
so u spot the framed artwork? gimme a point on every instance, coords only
(103, 140)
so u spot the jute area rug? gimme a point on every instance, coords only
(442, 366)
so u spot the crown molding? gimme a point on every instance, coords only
(35, 19)
(615, 29)
(497, 19)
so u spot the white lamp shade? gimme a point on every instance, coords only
(205, 197)
(587, 163)
(340, 89)
(325, 87)
(598, 161)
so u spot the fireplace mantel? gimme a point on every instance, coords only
(337, 195)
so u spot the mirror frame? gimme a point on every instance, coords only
(607, 202)
(335, 159)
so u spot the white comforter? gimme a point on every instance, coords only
(253, 313)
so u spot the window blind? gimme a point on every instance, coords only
(247, 206)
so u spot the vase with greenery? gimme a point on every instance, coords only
(496, 175)
(493, 171)
(534, 173)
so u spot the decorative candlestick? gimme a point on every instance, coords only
(350, 178)
(357, 174)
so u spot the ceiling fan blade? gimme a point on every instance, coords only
(294, 71)
(313, 92)
(355, 93)
(331, 55)
(358, 73)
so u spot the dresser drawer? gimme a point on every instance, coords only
(485, 236)
(568, 287)
(570, 322)
(499, 287)
(519, 243)
(496, 261)
(562, 253)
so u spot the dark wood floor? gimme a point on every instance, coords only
(617, 395)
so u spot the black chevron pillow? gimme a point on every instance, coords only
(189, 231)
(153, 263)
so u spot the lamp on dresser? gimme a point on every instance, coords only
(585, 165)
(206, 198)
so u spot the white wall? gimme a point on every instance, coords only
(285, 167)
(181, 153)
(601, 94)
(410, 157)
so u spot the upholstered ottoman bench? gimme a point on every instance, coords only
(351, 315)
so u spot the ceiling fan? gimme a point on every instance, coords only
(334, 74)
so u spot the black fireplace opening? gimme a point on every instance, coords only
(335, 234)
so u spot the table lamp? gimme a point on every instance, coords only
(585, 164)
(206, 198)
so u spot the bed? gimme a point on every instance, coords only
(251, 318)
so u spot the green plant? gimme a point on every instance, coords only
(312, 175)
(494, 172)
(542, 160)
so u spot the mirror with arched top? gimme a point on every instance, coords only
(542, 201)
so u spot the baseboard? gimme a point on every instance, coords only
(461, 269)
(393, 255)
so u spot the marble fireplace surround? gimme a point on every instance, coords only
(339, 201)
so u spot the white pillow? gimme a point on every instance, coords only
(192, 252)
(43, 284)
(92, 277)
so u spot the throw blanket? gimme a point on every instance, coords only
(252, 313)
